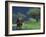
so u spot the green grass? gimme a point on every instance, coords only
(31, 25)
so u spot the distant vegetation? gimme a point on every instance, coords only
(34, 13)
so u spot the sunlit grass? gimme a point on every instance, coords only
(31, 25)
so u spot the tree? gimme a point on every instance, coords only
(34, 13)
